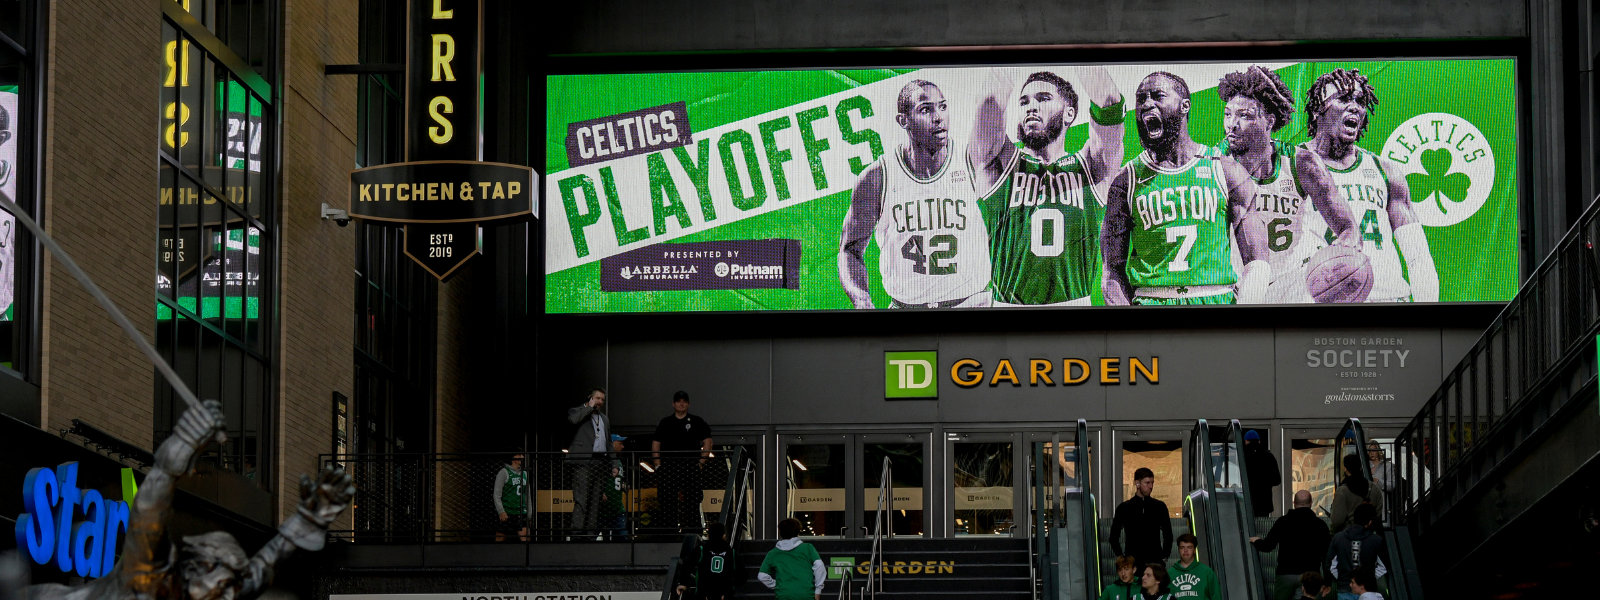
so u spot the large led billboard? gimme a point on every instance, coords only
(1069, 185)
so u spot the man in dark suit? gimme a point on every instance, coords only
(586, 460)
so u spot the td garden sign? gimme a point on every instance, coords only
(916, 375)
(444, 194)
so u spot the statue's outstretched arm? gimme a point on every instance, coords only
(141, 566)
(307, 529)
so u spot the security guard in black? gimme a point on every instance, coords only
(680, 489)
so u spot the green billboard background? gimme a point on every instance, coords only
(1477, 258)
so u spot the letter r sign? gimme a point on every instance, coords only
(910, 375)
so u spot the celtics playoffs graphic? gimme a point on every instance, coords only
(1030, 186)
(1448, 163)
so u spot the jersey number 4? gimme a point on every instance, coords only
(1369, 228)
(941, 261)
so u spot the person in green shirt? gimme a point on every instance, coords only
(793, 570)
(1125, 587)
(1190, 577)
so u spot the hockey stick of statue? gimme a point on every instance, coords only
(105, 302)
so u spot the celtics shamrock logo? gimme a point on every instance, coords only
(1437, 182)
(1447, 164)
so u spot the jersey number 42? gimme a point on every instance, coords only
(941, 261)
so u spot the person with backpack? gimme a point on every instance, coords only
(1353, 490)
(712, 576)
(793, 569)
(1356, 548)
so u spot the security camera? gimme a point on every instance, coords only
(339, 215)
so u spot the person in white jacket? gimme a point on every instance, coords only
(784, 569)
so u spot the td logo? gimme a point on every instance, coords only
(910, 375)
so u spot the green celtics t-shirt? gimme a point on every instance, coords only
(1044, 231)
(1180, 224)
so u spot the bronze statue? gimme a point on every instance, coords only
(209, 566)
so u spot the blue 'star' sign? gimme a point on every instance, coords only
(46, 529)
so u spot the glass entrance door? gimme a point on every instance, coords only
(1314, 465)
(982, 472)
(907, 457)
(817, 473)
(831, 483)
(1160, 451)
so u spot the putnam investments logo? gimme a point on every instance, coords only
(910, 375)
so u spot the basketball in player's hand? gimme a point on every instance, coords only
(1339, 274)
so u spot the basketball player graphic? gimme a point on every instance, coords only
(919, 205)
(1291, 180)
(1043, 206)
(1169, 213)
(1338, 107)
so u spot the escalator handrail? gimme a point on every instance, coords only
(1236, 440)
(1353, 427)
(1202, 473)
(1202, 480)
(1247, 505)
(1082, 466)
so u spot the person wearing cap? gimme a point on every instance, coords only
(678, 489)
(1262, 467)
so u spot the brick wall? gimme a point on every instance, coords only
(318, 269)
(104, 64)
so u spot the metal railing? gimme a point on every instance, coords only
(1534, 360)
(875, 560)
(675, 567)
(738, 507)
(555, 496)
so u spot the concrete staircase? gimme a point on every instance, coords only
(916, 568)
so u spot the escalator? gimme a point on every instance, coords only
(1218, 510)
(1067, 540)
(1401, 581)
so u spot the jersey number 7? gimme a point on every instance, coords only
(1186, 234)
